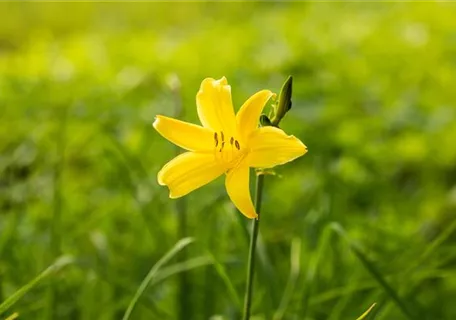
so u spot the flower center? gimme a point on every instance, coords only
(227, 150)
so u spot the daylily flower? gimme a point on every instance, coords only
(226, 144)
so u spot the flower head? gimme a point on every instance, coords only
(225, 144)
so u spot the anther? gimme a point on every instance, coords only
(223, 137)
(231, 140)
(221, 148)
(216, 139)
(236, 143)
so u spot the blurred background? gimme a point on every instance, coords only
(368, 215)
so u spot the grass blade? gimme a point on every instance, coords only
(295, 259)
(432, 247)
(180, 267)
(13, 316)
(181, 244)
(365, 314)
(372, 269)
(314, 262)
(227, 281)
(56, 266)
(56, 222)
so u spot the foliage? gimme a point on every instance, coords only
(373, 100)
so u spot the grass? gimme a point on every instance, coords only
(373, 100)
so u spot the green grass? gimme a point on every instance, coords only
(373, 100)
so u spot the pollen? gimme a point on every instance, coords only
(227, 154)
(216, 139)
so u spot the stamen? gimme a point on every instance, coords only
(229, 158)
(232, 149)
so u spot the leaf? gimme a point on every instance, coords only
(221, 271)
(372, 269)
(365, 314)
(181, 244)
(295, 261)
(53, 268)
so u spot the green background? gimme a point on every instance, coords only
(374, 101)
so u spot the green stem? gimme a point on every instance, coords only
(252, 250)
(56, 223)
(185, 288)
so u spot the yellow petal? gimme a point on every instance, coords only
(237, 186)
(270, 146)
(189, 171)
(185, 135)
(248, 116)
(214, 106)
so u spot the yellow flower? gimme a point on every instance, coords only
(226, 143)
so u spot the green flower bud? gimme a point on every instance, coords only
(284, 102)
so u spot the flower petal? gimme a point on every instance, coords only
(270, 146)
(248, 116)
(237, 186)
(189, 171)
(185, 135)
(214, 106)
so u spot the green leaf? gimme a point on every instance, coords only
(365, 314)
(53, 268)
(181, 244)
(372, 269)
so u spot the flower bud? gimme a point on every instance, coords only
(284, 103)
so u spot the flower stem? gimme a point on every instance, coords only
(252, 250)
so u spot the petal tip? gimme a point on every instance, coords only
(206, 82)
(223, 81)
(172, 195)
(268, 93)
(160, 179)
(156, 121)
(254, 216)
(250, 214)
(304, 148)
(175, 194)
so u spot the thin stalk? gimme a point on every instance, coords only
(55, 232)
(179, 246)
(51, 270)
(1, 286)
(185, 287)
(252, 250)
